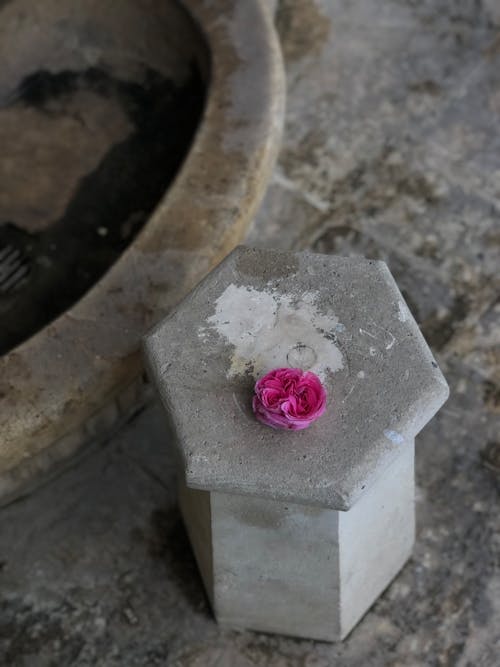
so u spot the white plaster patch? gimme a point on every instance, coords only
(269, 330)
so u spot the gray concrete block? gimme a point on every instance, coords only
(305, 528)
(301, 570)
(375, 539)
(275, 566)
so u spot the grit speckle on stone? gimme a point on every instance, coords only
(391, 151)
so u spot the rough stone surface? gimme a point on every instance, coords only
(342, 318)
(393, 119)
(93, 346)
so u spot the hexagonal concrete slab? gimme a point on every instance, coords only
(342, 317)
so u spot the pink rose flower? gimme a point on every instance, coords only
(289, 398)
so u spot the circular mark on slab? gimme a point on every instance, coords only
(301, 356)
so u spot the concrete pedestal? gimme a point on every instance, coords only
(298, 569)
(296, 532)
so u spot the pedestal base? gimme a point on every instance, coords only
(297, 569)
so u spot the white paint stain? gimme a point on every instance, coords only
(361, 375)
(386, 337)
(403, 312)
(363, 332)
(349, 393)
(268, 329)
(394, 437)
(391, 342)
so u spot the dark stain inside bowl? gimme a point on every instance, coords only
(85, 157)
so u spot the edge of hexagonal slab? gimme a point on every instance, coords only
(364, 471)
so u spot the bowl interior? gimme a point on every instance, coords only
(99, 102)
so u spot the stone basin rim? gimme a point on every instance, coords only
(81, 374)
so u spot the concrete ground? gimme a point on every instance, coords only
(391, 150)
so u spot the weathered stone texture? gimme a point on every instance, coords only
(391, 150)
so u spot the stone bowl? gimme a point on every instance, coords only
(137, 141)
